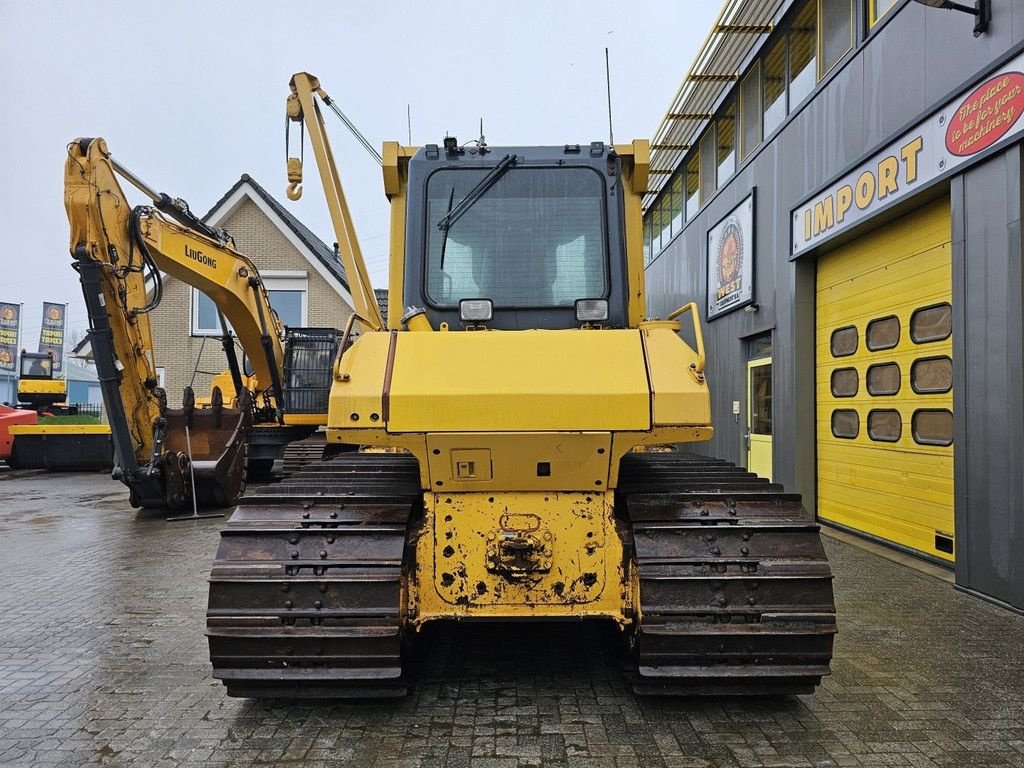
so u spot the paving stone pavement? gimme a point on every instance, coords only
(103, 661)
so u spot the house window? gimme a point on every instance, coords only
(161, 374)
(288, 293)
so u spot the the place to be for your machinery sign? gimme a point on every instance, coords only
(10, 318)
(981, 118)
(51, 333)
(730, 258)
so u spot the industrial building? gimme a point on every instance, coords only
(839, 184)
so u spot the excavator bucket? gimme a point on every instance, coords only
(213, 441)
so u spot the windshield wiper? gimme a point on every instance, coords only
(488, 181)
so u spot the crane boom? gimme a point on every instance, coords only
(303, 109)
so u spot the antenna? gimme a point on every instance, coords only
(482, 143)
(408, 119)
(608, 80)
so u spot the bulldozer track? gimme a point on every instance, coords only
(735, 588)
(305, 591)
(299, 454)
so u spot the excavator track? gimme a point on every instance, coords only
(735, 588)
(305, 591)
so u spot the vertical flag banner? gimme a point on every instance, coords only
(10, 320)
(51, 335)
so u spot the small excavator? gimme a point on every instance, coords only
(37, 387)
(190, 456)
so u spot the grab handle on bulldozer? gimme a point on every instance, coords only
(698, 335)
(336, 368)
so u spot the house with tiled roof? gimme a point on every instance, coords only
(303, 275)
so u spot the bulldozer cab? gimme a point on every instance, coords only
(516, 238)
(36, 365)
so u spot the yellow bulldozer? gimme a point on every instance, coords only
(523, 431)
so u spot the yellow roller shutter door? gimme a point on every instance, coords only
(884, 383)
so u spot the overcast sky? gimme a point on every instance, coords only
(190, 95)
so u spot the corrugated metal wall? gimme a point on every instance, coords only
(919, 57)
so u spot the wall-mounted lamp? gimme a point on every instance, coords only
(982, 11)
(751, 308)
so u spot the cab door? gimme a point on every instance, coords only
(759, 417)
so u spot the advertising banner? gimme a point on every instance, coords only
(51, 334)
(730, 258)
(980, 118)
(10, 322)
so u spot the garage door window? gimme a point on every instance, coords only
(932, 426)
(845, 423)
(883, 379)
(885, 425)
(931, 375)
(844, 382)
(844, 341)
(933, 323)
(883, 333)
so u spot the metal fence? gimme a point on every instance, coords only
(86, 409)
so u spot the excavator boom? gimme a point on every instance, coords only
(120, 252)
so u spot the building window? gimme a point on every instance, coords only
(677, 203)
(161, 374)
(879, 8)
(286, 290)
(775, 86)
(836, 38)
(803, 66)
(725, 130)
(658, 225)
(708, 157)
(648, 255)
(692, 185)
(750, 111)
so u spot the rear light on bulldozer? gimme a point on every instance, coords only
(591, 310)
(475, 310)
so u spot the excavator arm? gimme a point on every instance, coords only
(120, 252)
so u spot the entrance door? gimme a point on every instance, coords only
(759, 417)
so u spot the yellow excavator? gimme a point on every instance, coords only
(521, 424)
(190, 456)
(37, 388)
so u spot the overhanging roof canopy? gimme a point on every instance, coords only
(738, 31)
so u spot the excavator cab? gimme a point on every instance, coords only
(37, 389)
(516, 238)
